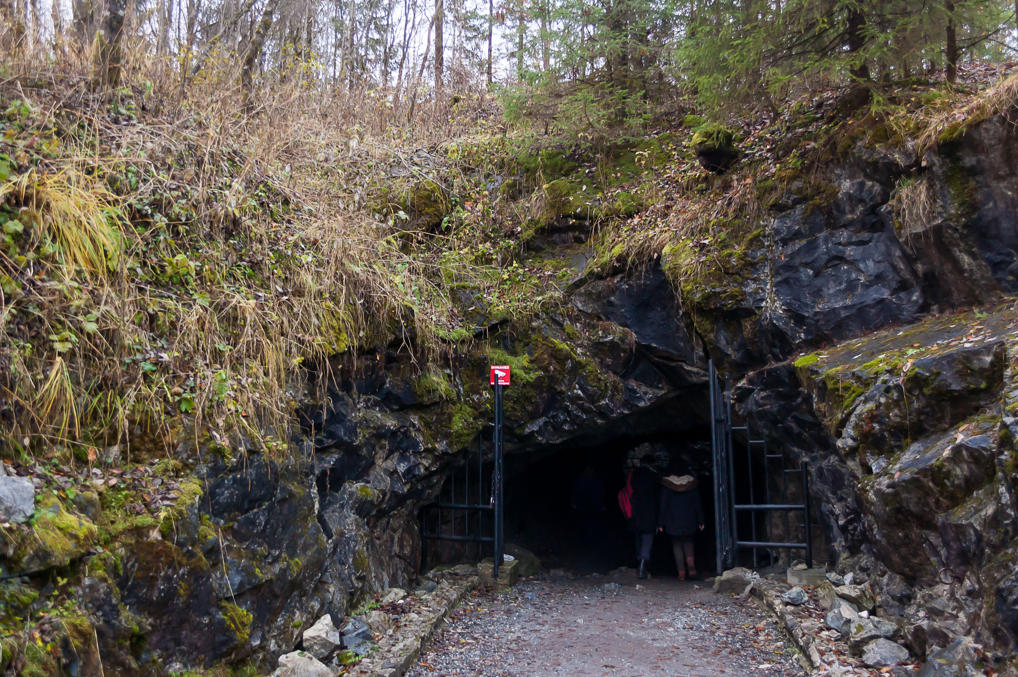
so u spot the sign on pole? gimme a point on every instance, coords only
(500, 374)
(499, 377)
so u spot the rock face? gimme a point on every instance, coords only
(909, 431)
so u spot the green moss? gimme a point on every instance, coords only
(549, 163)
(428, 202)
(622, 205)
(190, 491)
(464, 425)
(821, 194)
(367, 493)
(712, 136)
(361, 563)
(806, 361)
(522, 374)
(57, 536)
(455, 335)
(434, 385)
(963, 191)
(40, 660)
(206, 529)
(842, 389)
(348, 657)
(693, 121)
(238, 621)
(709, 274)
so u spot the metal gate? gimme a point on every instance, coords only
(721, 445)
(462, 515)
(464, 510)
(757, 501)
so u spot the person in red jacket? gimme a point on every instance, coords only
(646, 482)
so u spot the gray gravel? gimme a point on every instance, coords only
(597, 625)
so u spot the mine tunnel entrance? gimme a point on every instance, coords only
(563, 506)
(561, 500)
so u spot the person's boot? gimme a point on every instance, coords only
(642, 571)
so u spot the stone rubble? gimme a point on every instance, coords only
(834, 635)
(413, 620)
(17, 498)
(356, 637)
(795, 596)
(322, 638)
(301, 664)
(882, 653)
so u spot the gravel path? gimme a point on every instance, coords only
(608, 625)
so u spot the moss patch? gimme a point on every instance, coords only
(56, 535)
(238, 621)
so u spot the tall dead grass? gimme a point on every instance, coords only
(946, 123)
(204, 252)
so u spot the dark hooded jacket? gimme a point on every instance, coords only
(680, 512)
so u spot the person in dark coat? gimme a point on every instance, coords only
(644, 522)
(680, 515)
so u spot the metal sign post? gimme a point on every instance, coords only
(499, 378)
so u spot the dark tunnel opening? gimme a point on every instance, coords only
(545, 504)
(542, 513)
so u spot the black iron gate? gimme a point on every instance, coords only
(464, 510)
(475, 513)
(756, 501)
(721, 445)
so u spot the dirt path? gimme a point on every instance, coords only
(601, 625)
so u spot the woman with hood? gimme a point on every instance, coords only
(680, 515)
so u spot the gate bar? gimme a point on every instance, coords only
(806, 515)
(771, 544)
(498, 493)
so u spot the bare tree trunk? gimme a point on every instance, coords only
(58, 23)
(545, 37)
(520, 30)
(83, 18)
(164, 16)
(13, 20)
(107, 51)
(439, 55)
(404, 48)
(856, 35)
(254, 51)
(951, 48)
(349, 56)
(491, 21)
(420, 72)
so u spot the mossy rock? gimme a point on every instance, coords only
(714, 145)
(429, 203)
(622, 206)
(238, 621)
(562, 199)
(549, 163)
(54, 536)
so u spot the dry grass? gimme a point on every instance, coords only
(183, 260)
(915, 205)
(943, 124)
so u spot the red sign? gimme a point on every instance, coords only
(500, 374)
